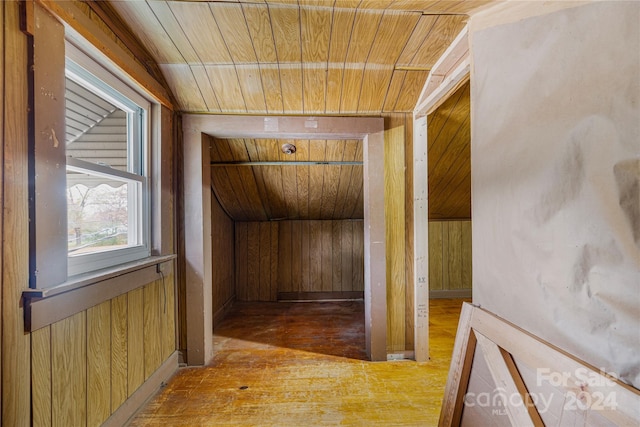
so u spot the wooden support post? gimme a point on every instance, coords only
(421, 240)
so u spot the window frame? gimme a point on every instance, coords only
(95, 77)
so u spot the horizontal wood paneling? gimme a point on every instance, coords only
(449, 255)
(222, 258)
(85, 366)
(295, 58)
(298, 256)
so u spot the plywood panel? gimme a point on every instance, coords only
(209, 44)
(233, 28)
(455, 255)
(41, 374)
(152, 325)
(69, 371)
(435, 255)
(296, 261)
(326, 257)
(358, 256)
(15, 386)
(253, 261)
(222, 255)
(119, 351)
(241, 261)
(265, 262)
(274, 250)
(312, 241)
(304, 256)
(285, 257)
(336, 261)
(250, 80)
(259, 24)
(98, 364)
(395, 237)
(347, 245)
(449, 143)
(135, 333)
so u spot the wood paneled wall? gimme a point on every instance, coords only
(449, 256)
(223, 258)
(85, 366)
(298, 256)
(321, 256)
(256, 261)
(77, 371)
(399, 231)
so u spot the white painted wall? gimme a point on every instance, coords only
(556, 177)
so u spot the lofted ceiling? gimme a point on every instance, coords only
(296, 57)
(329, 57)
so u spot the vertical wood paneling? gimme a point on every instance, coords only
(327, 255)
(284, 256)
(336, 263)
(222, 250)
(98, 363)
(119, 351)
(135, 332)
(152, 332)
(253, 261)
(358, 256)
(265, 262)
(274, 247)
(69, 371)
(41, 375)
(305, 257)
(242, 272)
(16, 370)
(347, 257)
(296, 256)
(168, 313)
(435, 255)
(395, 236)
(455, 254)
(467, 260)
(315, 255)
(300, 256)
(450, 256)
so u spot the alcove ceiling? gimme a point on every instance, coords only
(322, 57)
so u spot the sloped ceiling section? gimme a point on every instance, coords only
(449, 157)
(289, 189)
(298, 57)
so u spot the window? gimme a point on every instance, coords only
(107, 189)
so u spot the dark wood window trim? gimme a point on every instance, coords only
(46, 306)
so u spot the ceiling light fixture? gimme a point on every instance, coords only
(288, 148)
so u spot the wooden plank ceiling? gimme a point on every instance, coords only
(330, 57)
(449, 157)
(278, 192)
(296, 57)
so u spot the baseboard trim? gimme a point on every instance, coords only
(135, 402)
(450, 293)
(315, 296)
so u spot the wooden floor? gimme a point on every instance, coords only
(303, 364)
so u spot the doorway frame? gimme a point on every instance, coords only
(197, 215)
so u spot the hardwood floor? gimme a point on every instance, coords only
(303, 364)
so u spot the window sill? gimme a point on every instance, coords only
(46, 306)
